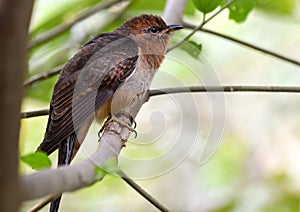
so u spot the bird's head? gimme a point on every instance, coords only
(150, 32)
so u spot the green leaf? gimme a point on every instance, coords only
(196, 45)
(240, 10)
(192, 48)
(38, 160)
(42, 91)
(108, 167)
(207, 6)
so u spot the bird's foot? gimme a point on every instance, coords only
(117, 119)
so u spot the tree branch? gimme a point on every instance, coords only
(226, 88)
(197, 89)
(35, 113)
(281, 57)
(64, 27)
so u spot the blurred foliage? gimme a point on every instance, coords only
(280, 7)
(228, 164)
(285, 203)
(52, 13)
(148, 5)
(140, 5)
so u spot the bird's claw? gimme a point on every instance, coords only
(121, 122)
(132, 120)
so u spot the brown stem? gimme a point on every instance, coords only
(142, 192)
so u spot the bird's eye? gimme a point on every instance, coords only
(153, 29)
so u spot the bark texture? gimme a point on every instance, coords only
(14, 21)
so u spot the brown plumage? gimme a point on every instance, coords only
(88, 81)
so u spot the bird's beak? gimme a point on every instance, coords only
(172, 28)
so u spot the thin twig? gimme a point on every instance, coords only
(64, 27)
(42, 204)
(142, 192)
(284, 58)
(225, 88)
(35, 113)
(198, 89)
(204, 21)
(42, 76)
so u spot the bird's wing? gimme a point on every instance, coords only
(86, 83)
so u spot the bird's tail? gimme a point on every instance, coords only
(65, 153)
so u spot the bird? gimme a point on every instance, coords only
(87, 83)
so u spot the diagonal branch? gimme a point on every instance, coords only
(62, 28)
(142, 192)
(257, 48)
(42, 204)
